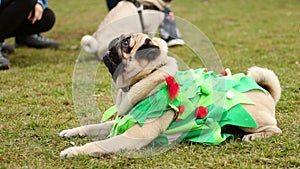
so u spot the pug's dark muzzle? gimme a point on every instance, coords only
(113, 58)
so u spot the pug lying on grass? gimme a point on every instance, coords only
(157, 104)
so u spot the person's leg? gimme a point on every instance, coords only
(43, 25)
(29, 34)
(111, 3)
(12, 15)
(5, 47)
(168, 30)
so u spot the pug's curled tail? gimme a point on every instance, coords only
(89, 44)
(266, 79)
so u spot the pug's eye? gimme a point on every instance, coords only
(125, 43)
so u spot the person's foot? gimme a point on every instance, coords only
(174, 41)
(36, 41)
(4, 62)
(7, 48)
(168, 30)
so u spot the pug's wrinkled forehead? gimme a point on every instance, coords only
(132, 45)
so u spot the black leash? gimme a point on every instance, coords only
(140, 7)
(140, 10)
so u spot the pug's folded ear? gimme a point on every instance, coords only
(161, 43)
(148, 51)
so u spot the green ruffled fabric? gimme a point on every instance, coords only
(221, 95)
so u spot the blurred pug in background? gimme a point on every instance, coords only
(133, 16)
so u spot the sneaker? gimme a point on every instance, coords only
(168, 30)
(35, 41)
(7, 48)
(4, 62)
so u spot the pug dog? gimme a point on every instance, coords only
(128, 16)
(139, 66)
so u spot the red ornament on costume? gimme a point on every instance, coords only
(180, 110)
(201, 112)
(173, 87)
(224, 72)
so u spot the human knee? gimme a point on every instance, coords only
(48, 18)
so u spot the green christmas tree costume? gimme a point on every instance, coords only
(220, 95)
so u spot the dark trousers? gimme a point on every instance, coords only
(14, 22)
(111, 3)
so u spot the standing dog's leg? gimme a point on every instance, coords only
(101, 130)
(134, 138)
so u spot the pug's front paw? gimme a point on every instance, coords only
(70, 152)
(78, 131)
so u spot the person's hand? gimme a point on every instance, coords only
(36, 14)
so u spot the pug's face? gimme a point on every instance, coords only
(132, 56)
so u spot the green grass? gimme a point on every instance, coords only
(36, 93)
